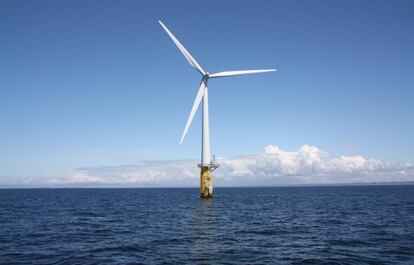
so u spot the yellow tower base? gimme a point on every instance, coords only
(206, 185)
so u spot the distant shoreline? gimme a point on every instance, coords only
(405, 183)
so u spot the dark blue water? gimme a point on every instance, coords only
(289, 225)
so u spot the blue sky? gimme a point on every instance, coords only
(99, 83)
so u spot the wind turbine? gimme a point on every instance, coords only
(207, 165)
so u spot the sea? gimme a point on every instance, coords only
(280, 225)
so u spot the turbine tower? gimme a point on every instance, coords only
(207, 165)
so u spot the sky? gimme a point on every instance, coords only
(95, 92)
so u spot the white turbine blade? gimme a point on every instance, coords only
(196, 103)
(241, 72)
(186, 54)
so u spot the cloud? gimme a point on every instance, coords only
(145, 174)
(308, 165)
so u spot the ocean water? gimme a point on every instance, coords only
(286, 225)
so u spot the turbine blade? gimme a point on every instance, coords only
(240, 72)
(186, 54)
(196, 103)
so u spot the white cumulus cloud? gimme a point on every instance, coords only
(308, 165)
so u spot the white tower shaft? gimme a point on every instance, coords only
(205, 136)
